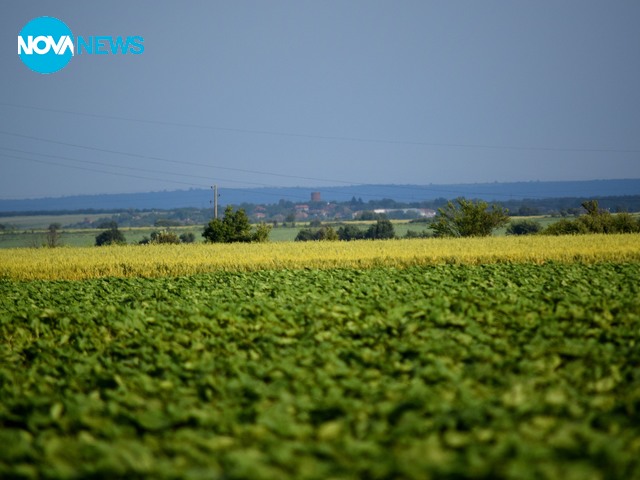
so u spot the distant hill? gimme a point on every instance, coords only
(201, 198)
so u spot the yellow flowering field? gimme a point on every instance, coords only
(176, 260)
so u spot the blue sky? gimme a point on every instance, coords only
(313, 93)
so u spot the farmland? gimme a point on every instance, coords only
(31, 231)
(187, 259)
(468, 358)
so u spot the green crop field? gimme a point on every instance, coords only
(513, 371)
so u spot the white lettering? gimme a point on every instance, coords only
(47, 45)
(35, 45)
(63, 43)
(23, 47)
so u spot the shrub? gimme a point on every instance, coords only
(414, 234)
(523, 227)
(305, 235)
(350, 232)
(164, 237)
(595, 220)
(565, 227)
(113, 236)
(625, 223)
(188, 237)
(261, 233)
(323, 233)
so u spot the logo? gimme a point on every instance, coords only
(46, 45)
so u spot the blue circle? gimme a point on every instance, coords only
(46, 34)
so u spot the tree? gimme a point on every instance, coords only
(113, 236)
(468, 219)
(234, 227)
(290, 219)
(53, 235)
(381, 230)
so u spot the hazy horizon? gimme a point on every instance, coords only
(286, 93)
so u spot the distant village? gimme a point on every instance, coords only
(286, 212)
(316, 209)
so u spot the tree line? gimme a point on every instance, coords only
(459, 218)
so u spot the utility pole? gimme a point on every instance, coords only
(215, 201)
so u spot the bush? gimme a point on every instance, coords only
(164, 237)
(113, 236)
(625, 223)
(350, 232)
(189, 237)
(595, 220)
(414, 234)
(261, 233)
(565, 227)
(523, 227)
(305, 235)
(309, 235)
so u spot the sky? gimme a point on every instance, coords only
(312, 93)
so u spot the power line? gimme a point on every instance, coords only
(186, 162)
(280, 195)
(422, 189)
(137, 169)
(180, 162)
(95, 170)
(327, 137)
(263, 185)
(219, 167)
(77, 167)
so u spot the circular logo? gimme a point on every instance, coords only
(45, 45)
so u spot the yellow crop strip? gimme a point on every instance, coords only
(188, 259)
